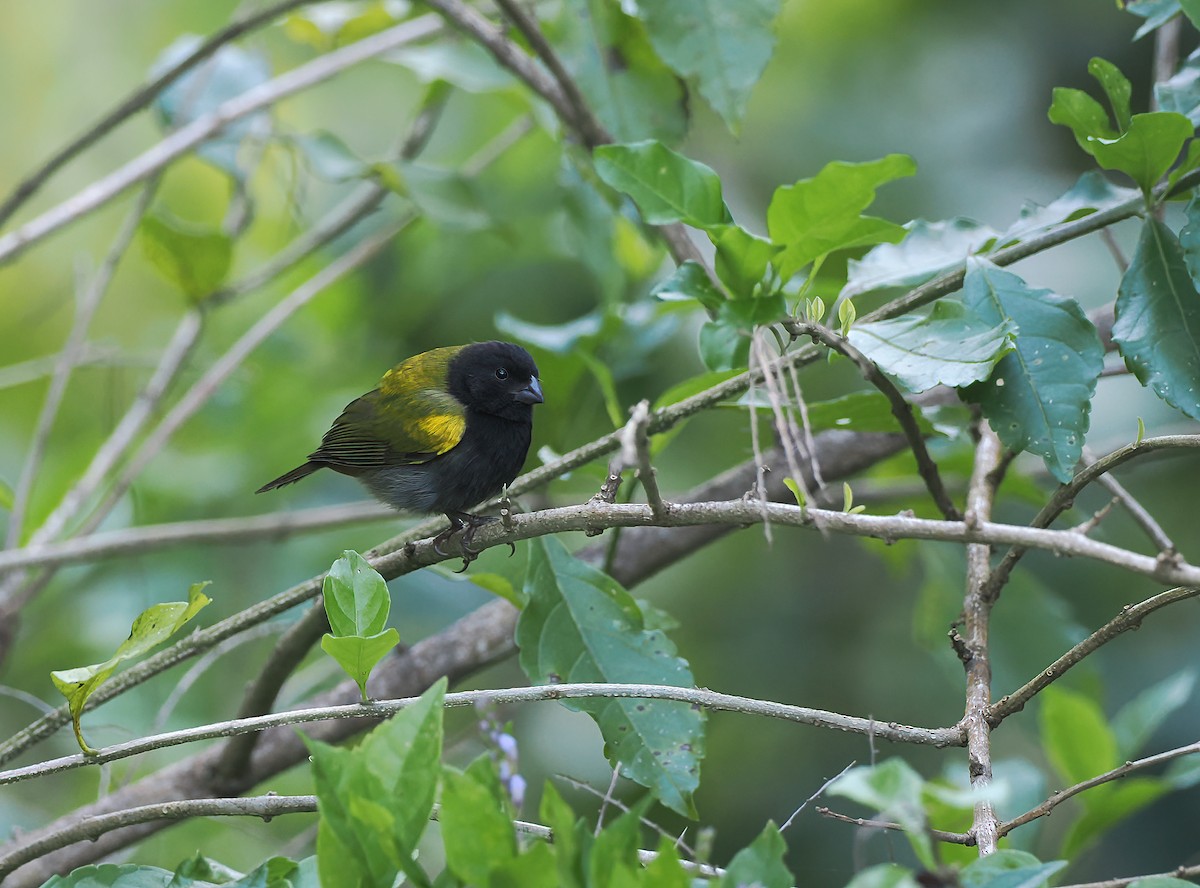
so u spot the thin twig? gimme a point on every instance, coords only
(1130, 617)
(1139, 513)
(186, 138)
(901, 409)
(635, 453)
(1062, 795)
(1180, 872)
(377, 709)
(816, 795)
(941, 835)
(975, 648)
(140, 99)
(88, 302)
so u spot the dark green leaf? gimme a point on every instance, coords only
(895, 790)
(1190, 162)
(1181, 91)
(666, 186)
(760, 863)
(1158, 317)
(572, 838)
(690, 281)
(375, 799)
(723, 346)
(613, 861)
(1155, 12)
(477, 827)
(634, 94)
(1091, 193)
(1116, 87)
(753, 312)
(1007, 868)
(112, 875)
(1039, 396)
(579, 626)
(742, 258)
(1191, 8)
(1138, 719)
(151, 628)
(816, 216)
(1147, 150)
(927, 250)
(948, 344)
(721, 46)
(193, 257)
(1075, 736)
(227, 74)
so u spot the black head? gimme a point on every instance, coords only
(499, 378)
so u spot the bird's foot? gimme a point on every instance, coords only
(465, 524)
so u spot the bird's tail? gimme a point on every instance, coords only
(291, 477)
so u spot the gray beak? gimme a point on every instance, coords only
(531, 394)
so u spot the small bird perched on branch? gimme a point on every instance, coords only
(443, 431)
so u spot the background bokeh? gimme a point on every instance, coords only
(825, 622)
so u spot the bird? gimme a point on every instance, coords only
(443, 431)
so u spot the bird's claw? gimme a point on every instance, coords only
(466, 525)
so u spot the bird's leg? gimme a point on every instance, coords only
(466, 524)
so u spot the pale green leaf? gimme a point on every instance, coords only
(666, 186)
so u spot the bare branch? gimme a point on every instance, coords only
(974, 649)
(1139, 513)
(1180, 872)
(635, 453)
(139, 99)
(88, 302)
(1130, 617)
(952, 838)
(816, 795)
(184, 139)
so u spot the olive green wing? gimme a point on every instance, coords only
(409, 419)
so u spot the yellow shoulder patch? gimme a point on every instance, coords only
(415, 391)
(446, 430)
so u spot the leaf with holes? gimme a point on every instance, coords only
(1039, 396)
(580, 625)
(948, 344)
(1157, 324)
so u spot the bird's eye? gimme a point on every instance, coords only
(502, 373)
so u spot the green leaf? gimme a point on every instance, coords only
(112, 875)
(447, 197)
(666, 186)
(723, 346)
(1075, 736)
(1107, 805)
(884, 875)
(720, 46)
(665, 870)
(195, 258)
(580, 625)
(1157, 324)
(866, 411)
(1191, 8)
(613, 861)
(358, 654)
(947, 344)
(375, 799)
(748, 313)
(1138, 719)
(1116, 86)
(533, 868)
(226, 74)
(689, 281)
(742, 258)
(893, 789)
(927, 250)
(356, 597)
(1181, 91)
(464, 64)
(329, 157)
(572, 838)
(477, 828)
(1039, 396)
(1147, 150)
(1155, 12)
(1091, 193)
(760, 863)
(633, 93)
(1083, 115)
(151, 628)
(816, 216)
(1008, 868)
(7, 496)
